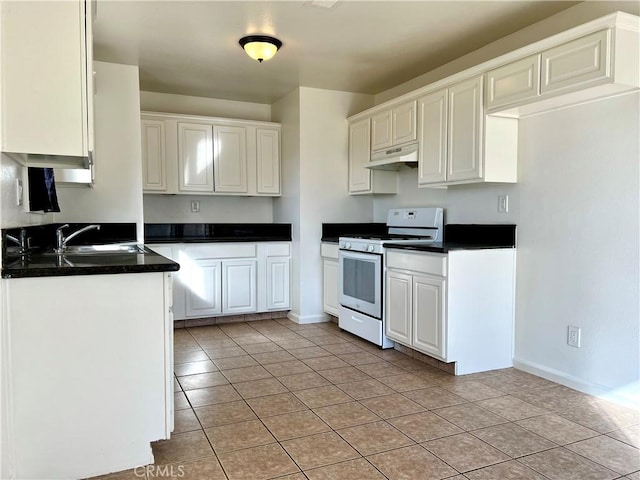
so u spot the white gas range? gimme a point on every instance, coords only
(361, 273)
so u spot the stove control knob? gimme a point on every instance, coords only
(370, 248)
(348, 245)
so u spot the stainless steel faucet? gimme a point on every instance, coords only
(61, 240)
(23, 242)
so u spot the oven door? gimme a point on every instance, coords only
(360, 282)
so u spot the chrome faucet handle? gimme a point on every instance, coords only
(60, 238)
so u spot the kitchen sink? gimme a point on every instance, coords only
(100, 249)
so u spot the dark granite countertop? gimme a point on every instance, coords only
(331, 232)
(441, 247)
(216, 232)
(466, 237)
(40, 264)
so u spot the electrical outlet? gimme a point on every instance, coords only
(573, 336)
(503, 203)
(19, 192)
(195, 206)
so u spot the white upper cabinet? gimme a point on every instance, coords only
(268, 161)
(464, 123)
(207, 155)
(230, 159)
(47, 82)
(432, 154)
(577, 64)
(404, 123)
(363, 180)
(394, 126)
(359, 155)
(154, 160)
(195, 157)
(381, 131)
(515, 82)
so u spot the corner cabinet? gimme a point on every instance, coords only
(211, 156)
(456, 307)
(459, 143)
(46, 78)
(362, 180)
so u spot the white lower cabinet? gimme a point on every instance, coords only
(121, 325)
(415, 311)
(229, 278)
(203, 297)
(329, 252)
(239, 284)
(456, 307)
(278, 280)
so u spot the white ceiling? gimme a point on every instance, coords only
(191, 47)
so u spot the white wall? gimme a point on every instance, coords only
(324, 142)
(286, 209)
(315, 191)
(213, 209)
(117, 193)
(578, 240)
(564, 20)
(177, 209)
(462, 203)
(11, 215)
(212, 107)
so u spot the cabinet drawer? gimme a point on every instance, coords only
(429, 263)
(329, 250)
(225, 250)
(278, 250)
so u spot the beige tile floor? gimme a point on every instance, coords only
(274, 399)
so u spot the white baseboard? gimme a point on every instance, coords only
(628, 396)
(321, 318)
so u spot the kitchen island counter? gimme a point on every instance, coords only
(40, 264)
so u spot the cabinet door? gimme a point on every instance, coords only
(515, 82)
(230, 159)
(44, 70)
(428, 315)
(154, 161)
(278, 283)
(464, 146)
(359, 156)
(575, 65)
(330, 286)
(202, 288)
(268, 161)
(403, 123)
(381, 130)
(239, 286)
(398, 307)
(432, 154)
(195, 157)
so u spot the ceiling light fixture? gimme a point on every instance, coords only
(260, 47)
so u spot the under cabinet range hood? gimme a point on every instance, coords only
(394, 158)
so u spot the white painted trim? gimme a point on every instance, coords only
(626, 397)
(321, 318)
(205, 119)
